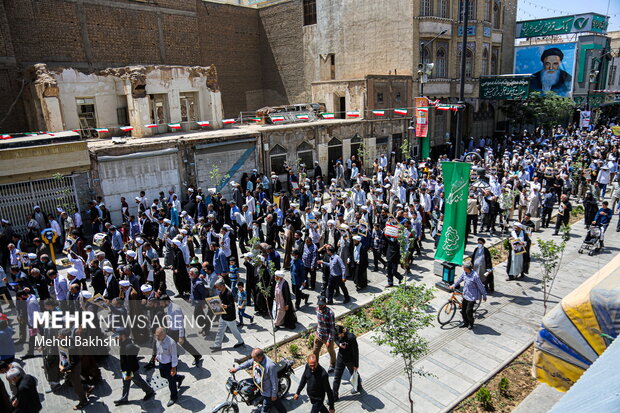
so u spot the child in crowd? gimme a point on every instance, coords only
(233, 273)
(242, 301)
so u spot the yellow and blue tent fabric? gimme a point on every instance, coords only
(579, 329)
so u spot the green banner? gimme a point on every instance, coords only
(456, 186)
(504, 87)
(577, 23)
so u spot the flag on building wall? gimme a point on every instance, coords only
(102, 130)
(151, 125)
(203, 123)
(400, 111)
(353, 114)
(303, 117)
(327, 115)
(5, 137)
(255, 119)
(421, 127)
(378, 112)
(456, 186)
(229, 121)
(126, 128)
(277, 118)
(174, 125)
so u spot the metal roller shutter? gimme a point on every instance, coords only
(127, 175)
(231, 158)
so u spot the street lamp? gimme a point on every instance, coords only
(461, 104)
(592, 78)
(425, 69)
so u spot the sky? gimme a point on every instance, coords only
(537, 9)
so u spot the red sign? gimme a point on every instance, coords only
(421, 127)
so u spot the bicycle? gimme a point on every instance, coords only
(448, 310)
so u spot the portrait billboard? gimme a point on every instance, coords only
(551, 66)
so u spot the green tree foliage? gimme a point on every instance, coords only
(546, 109)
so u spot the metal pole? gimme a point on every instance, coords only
(460, 113)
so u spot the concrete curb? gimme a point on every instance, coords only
(486, 378)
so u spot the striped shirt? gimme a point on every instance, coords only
(472, 286)
(326, 324)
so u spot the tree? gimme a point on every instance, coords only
(406, 312)
(217, 178)
(547, 109)
(550, 256)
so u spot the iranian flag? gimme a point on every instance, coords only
(277, 118)
(255, 119)
(327, 115)
(102, 130)
(126, 128)
(203, 123)
(4, 137)
(303, 117)
(50, 134)
(151, 125)
(229, 121)
(443, 107)
(353, 114)
(174, 125)
(75, 130)
(378, 112)
(400, 111)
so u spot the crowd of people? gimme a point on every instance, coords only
(315, 231)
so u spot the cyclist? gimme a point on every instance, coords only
(472, 290)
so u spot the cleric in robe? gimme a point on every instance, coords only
(551, 77)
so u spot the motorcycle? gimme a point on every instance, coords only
(247, 391)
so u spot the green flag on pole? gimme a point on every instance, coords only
(456, 183)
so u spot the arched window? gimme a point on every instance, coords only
(472, 10)
(485, 62)
(444, 8)
(440, 63)
(356, 143)
(497, 15)
(425, 54)
(277, 156)
(494, 62)
(426, 7)
(487, 10)
(305, 152)
(469, 63)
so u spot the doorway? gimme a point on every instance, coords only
(334, 153)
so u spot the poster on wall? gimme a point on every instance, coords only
(584, 119)
(551, 66)
(421, 127)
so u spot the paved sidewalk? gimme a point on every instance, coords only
(459, 359)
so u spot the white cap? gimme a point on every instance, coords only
(139, 240)
(331, 221)
(183, 231)
(198, 197)
(108, 269)
(344, 226)
(32, 256)
(183, 213)
(146, 288)
(211, 190)
(6, 221)
(364, 207)
(72, 271)
(166, 221)
(357, 238)
(131, 254)
(59, 209)
(138, 198)
(248, 254)
(176, 242)
(87, 295)
(279, 273)
(124, 283)
(227, 227)
(190, 189)
(35, 207)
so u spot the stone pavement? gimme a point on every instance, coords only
(459, 359)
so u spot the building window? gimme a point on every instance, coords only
(397, 97)
(188, 107)
(494, 67)
(309, 12)
(441, 63)
(440, 124)
(86, 112)
(485, 62)
(426, 7)
(444, 8)
(277, 156)
(472, 10)
(356, 144)
(159, 108)
(379, 98)
(487, 10)
(425, 54)
(469, 62)
(612, 75)
(497, 15)
(305, 152)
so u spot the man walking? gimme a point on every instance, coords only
(337, 276)
(168, 360)
(129, 368)
(318, 386)
(325, 332)
(348, 356)
(228, 320)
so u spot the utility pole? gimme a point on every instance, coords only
(458, 137)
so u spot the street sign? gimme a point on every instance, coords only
(577, 23)
(504, 87)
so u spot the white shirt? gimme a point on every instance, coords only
(167, 351)
(77, 218)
